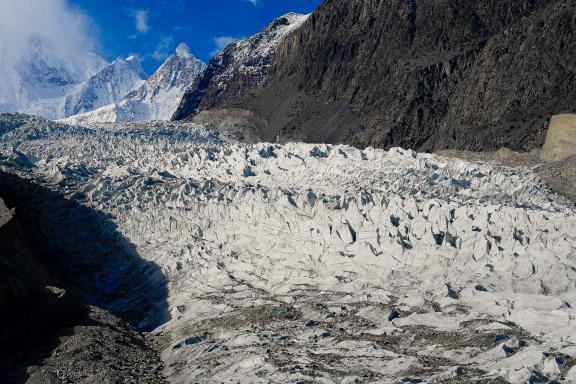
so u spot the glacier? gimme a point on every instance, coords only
(316, 263)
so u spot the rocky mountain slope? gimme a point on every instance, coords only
(157, 98)
(421, 74)
(315, 263)
(242, 65)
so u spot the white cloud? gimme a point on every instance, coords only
(222, 41)
(62, 31)
(163, 48)
(53, 21)
(253, 2)
(141, 21)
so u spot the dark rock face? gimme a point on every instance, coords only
(422, 74)
(23, 282)
(84, 253)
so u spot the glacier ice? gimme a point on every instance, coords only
(285, 262)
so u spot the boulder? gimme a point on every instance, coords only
(561, 138)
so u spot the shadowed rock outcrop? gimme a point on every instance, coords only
(56, 255)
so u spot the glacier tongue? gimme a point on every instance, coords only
(329, 264)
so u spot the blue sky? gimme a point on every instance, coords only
(152, 29)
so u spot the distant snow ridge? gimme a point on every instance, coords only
(157, 98)
(108, 86)
(328, 264)
(58, 87)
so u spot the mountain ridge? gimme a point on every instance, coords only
(156, 98)
(108, 86)
(56, 85)
(41, 79)
(239, 67)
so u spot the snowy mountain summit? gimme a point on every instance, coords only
(57, 86)
(110, 85)
(157, 98)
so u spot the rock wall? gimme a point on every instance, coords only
(237, 69)
(422, 74)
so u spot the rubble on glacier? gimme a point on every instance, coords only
(285, 263)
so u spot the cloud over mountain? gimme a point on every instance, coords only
(61, 28)
(50, 26)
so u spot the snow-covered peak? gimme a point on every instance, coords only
(108, 86)
(182, 50)
(40, 79)
(56, 84)
(180, 69)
